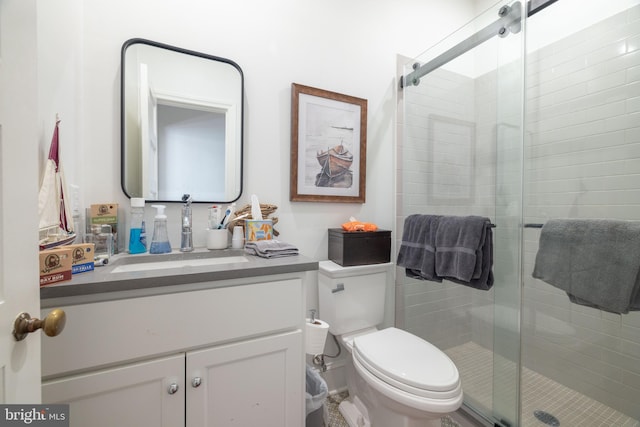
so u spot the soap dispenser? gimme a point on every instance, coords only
(160, 241)
(137, 236)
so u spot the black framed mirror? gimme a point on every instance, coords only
(181, 124)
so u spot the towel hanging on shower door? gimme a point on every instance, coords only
(595, 261)
(456, 248)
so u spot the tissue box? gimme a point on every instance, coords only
(349, 248)
(55, 266)
(258, 230)
(82, 257)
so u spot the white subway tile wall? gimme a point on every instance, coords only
(581, 160)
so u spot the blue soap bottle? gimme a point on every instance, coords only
(137, 235)
(160, 240)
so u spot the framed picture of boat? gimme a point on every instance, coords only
(328, 146)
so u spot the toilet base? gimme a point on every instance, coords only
(351, 412)
(372, 409)
(354, 413)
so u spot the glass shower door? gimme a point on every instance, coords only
(461, 154)
(580, 364)
(509, 75)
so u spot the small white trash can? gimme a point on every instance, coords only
(316, 394)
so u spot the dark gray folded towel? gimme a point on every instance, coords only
(466, 256)
(417, 250)
(596, 261)
(459, 246)
(485, 279)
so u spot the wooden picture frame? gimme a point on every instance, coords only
(328, 146)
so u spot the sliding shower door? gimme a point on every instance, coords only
(461, 154)
(537, 123)
(581, 365)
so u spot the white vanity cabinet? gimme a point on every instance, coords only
(132, 395)
(222, 356)
(251, 383)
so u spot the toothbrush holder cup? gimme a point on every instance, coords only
(217, 238)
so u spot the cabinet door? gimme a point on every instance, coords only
(141, 394)
(251, 383)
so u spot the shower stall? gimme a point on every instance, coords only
(530, 112)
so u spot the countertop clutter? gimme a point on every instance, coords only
(140, 274)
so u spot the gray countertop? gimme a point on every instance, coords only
(110, 278)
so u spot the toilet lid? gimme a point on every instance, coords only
(400, 358)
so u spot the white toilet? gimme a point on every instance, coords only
(395, 379)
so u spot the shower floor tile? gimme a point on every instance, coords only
(571, 408)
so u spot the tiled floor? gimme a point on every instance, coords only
(538, 392)
(333, 418)
(475, 364)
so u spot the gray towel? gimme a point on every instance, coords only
(417, 250)
(595, 261)
(270, 248)
(485, 280)
(459, 246)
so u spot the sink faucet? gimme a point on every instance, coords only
(186, 243)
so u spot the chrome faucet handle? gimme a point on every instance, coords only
(186, 245)
(186, 212)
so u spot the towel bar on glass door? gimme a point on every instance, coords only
(532, 225)
(529, 225)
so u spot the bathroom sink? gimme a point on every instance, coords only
(178, 260)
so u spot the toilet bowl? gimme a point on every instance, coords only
(398, 379)
(394, 378)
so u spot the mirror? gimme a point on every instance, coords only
(181, 124)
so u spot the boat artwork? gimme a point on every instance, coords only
(336, 167)
(56, 225)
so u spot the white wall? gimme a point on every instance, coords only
(346, 47)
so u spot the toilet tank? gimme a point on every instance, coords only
(352, 298)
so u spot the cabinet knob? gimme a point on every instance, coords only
(52, 325)
(196, 381)
(173, 388)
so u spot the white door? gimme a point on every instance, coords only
(19, 284)
(149, 136)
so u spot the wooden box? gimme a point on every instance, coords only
(359, 247)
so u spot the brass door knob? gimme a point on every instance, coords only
(52, 325)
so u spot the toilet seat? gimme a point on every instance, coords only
(407, 363)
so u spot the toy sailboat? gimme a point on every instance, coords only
(56, 225)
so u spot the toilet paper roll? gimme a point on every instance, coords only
(316, 335)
